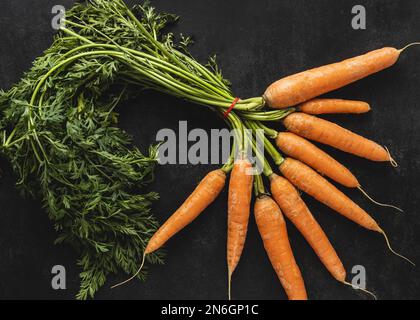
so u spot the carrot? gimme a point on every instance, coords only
(296, 210)
(239, 202)
(301, 149)
(307, 180)
(309, 84)
(273, 231)
(326, 106)
(329, 133)
(290, 202)
(318, 187)
(203, 195)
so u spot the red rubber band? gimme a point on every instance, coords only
(231, 107)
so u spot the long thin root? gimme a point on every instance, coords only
(409, 45)
(393, 251)
(378, 203)
(361, 289)
(391, 159)
(133, 276)
(229, 285)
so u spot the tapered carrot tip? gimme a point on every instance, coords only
(378, 203)
(393, 251)
(391, 159)
(229, 286)
(361, 289)
(301, 87)
(409, 46)
(134, 275)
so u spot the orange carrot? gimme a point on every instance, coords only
(318, 187)
(329, 133)
(273, 231)
(296, 210)
(326, 106)
(309, 84)
(239, 203)
(301, 149)
(203, 195)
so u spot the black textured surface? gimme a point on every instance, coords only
(257, 43)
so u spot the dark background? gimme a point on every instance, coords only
(257, 42)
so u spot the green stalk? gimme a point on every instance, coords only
(268, 131)
(227, 167)
(259, 188)
(172, 85)
(203, 70)
(273, 115)
(155, 61)
(153, 41)
(267, 171)
(268, 146)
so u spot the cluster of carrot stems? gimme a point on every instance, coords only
(248, 131)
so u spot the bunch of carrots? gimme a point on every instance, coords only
(304, 167)
(103, 46)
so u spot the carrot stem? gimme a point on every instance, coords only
(259, 188)
(270, 132)
(227, 167)
(272, 151)
(267, 171)
(272, 115)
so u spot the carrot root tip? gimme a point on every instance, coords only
(408, 46)
(361, 289)
(391, 159)
(133, 276)
(378, 203)
(393, 251)
(229, 285)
